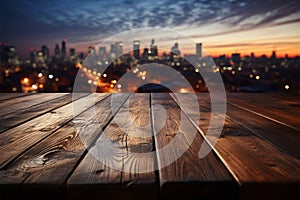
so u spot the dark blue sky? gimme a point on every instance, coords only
(31, 23)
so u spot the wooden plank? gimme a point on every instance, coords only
(189, 176)
(283, 108)
(139, 162)
(26, 103)
(283, 137)
(7, 96)
(18, 100)
(19, 139)
(19, 113)
(257, 165)
(50, 162)
(123, 155)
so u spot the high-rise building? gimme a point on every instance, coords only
(153, 49)
(113, 51)
(33, 55)
(57, 51)
(273, 56)
(136, 49)
(199, 50)
(102, 52)
(236, 57)
(63, 49)
(145, 54)
(9, 54)
(119, 46)
(45, 51)
(175, 53)
(72, 52)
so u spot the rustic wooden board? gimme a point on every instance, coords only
(283, 137)
(19, 99)
(17, 114)
(189, 177)
(19, 139)
(7, 96)
(282, 108)
(115, 175)
(51, 161)
(255, 163)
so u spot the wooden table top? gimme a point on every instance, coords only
(122, 146)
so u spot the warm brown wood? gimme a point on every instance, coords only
(284, 108)
(51, 161)
(7, 96)
(189, 177)
(21, 99)
(18, 139)
(255, 163)
(283, 137)
(116, 175)
(43, 155)
(17, 114)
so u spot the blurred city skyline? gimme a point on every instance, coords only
(224, 27)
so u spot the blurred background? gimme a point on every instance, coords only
(254, 44)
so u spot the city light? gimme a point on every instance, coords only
(286, 87)
(25, 80)
(182, 90)
(34, 86)
(63, 69)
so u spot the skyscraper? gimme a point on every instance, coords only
(119, 46)
(9, 54)
(199, 50)
(175, 52)
(45, 51)
(102, 52)
(136, 49)
(153, 48)
(63, 49)
(72, 52)
(57, 51)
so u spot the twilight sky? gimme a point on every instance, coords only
(224, 27)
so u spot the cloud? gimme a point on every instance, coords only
(34, 20)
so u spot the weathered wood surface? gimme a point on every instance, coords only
(20, 138)
(60, 152)
(188, 176)
(7, 96)
(281, 108)
(27, 110)
(117, 157)
(255, 162)
(49, 146)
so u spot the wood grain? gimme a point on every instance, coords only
(189, 176)
(18, 139)
(51, 161)
(7, 96)
(122, 155)
(257, 164)
(284, 108)
(17, 114)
